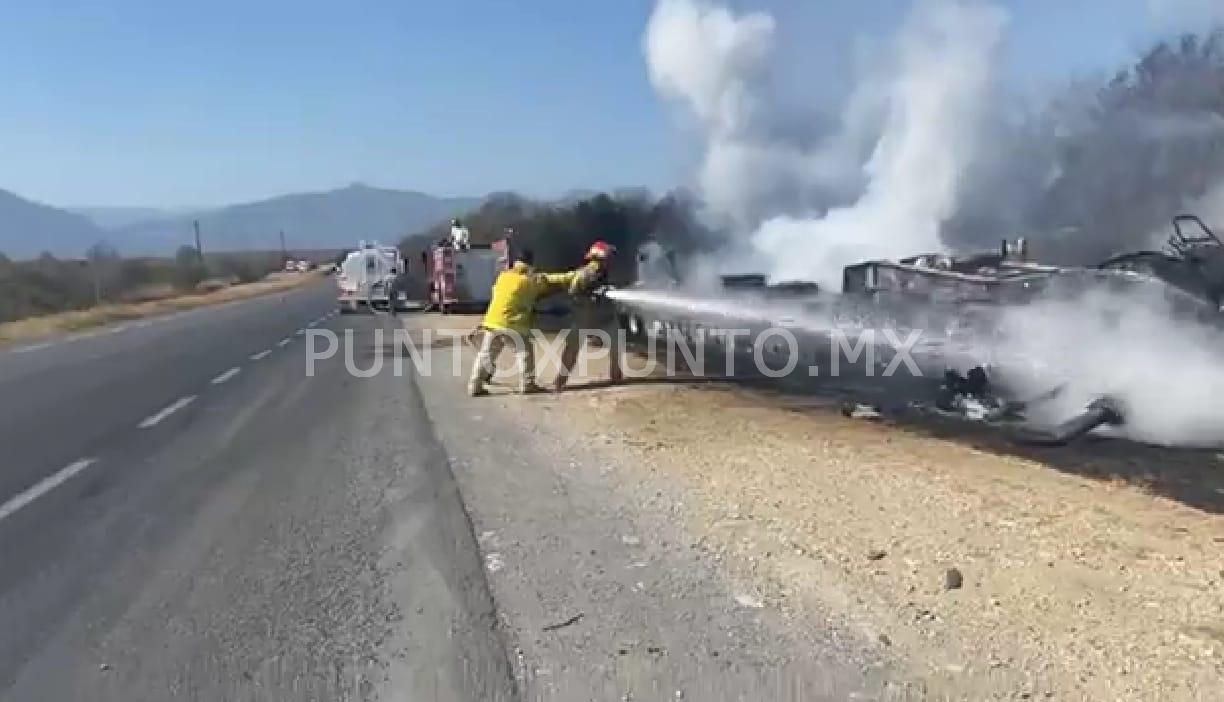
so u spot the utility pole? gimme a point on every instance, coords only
(97, 280)
(284, 251)
(199, 246)
(93, 261)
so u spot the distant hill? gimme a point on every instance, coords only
(28, 228)
(336, 218)
(119, 217)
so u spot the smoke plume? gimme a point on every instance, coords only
(879, 181)
(935, 103)
(760, 158)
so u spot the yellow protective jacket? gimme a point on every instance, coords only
(515, 292)
(579, 281)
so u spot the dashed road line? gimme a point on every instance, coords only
(285, 342)
(156, 419)
(226, 375)
(32, 347)
(44, 486)
(299, 332)
(261, 355)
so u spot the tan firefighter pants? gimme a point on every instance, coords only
(590, 316)
(492, 342)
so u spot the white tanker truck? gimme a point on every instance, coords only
(367, 278)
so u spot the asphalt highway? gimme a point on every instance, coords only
(191, 510)
(187, 513)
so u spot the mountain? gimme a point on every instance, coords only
(119, 217)
(310, 221)
(28, 228)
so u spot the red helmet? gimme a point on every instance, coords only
(600, 250)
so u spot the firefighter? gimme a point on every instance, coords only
(590, 311)
(460, 237)
(508, 320)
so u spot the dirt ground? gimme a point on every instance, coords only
(77, 320)
(1088, 572)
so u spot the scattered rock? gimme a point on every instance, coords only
(630, 540)
(494, 562)
(749, 601)
(858, 411)
(104, 667)
(876, 554)
(884, 640)
(953, 580)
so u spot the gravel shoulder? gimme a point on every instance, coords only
(603, 591)
(986, 572)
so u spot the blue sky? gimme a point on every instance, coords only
(167, 103)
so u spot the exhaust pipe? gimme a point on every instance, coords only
(1101, 412)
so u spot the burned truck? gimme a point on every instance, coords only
(1190, 273)
(953, 305)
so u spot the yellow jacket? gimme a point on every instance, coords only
(515, 292)
(579, 281)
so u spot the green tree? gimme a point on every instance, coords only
(560, 234)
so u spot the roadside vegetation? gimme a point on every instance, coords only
(50, 285)
(559, 233)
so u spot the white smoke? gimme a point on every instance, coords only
(918, 121)
(715, 62)
(914, 175)
(1210, 208)
(1167, 372)
(757, 162)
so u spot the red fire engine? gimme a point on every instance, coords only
(461, 278)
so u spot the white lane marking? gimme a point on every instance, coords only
(313, 324)
(32, 347)
(285, 342)
(226, 375)
(44, 486)
(299, 332)
(261, 355)
(156, 419)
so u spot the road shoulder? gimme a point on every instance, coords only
(601, 591)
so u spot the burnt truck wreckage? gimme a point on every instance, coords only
(944, 300)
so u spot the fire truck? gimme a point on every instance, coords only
(461, 277)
